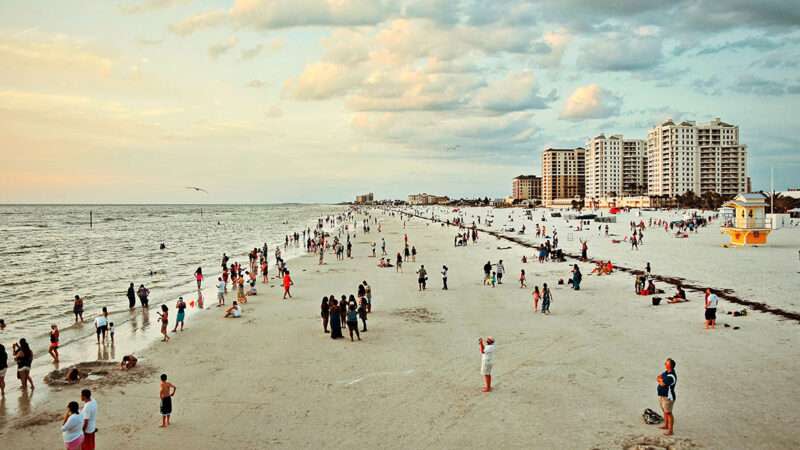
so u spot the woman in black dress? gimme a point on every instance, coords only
(335, 319)
(324, 313)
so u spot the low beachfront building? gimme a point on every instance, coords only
(526, 187)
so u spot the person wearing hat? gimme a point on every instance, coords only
(487, 361)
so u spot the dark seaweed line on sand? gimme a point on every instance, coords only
(726, 294)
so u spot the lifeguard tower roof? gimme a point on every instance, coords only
(749, 199)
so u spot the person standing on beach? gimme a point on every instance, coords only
(547, 297)
(500, 271)
(576, 277)
(584, 250)
(422, 277)
(72, 427)
(368, 294)
(77, 308)
(536, 297)
(89, 414)
(522, 279)
(711, 309)
(53, 349)
(487, 272)
(24, 358)
(131, 294)
(335, 318)
(413, 253)
(3, 369)
(198, 275)
(444, 278)
(487, 362)
(666, 394)
(101, 327)
(324, 309)
(164, 317)
(166, 392)
(181, 307)
(399, 263)
(352, 322)
(362, 313)
(383, 247)
(221, 288)
(287, 283)
(143, 293)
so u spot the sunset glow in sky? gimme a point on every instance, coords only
(318, 100)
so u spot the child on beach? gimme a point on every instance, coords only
(128, 362)
(444, 278)
(111, 332)
(494, 279)
(234, 311)
(53, 349)
(522, 283)
(287, 284)
(166, 392)
(163, 316)
(181, 307)
(536, 296)
(240, 291)
(487, 362)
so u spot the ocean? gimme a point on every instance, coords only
(49, 253)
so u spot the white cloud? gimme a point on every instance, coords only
(150, 5)
(53, 52)
(591, 102)
(515, 92)
(322, 80)
(616, 51)
(200, 21)
(219, 49)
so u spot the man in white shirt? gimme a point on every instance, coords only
(89, 414)
(101, 325)
(487, 362)
(221, 287)
(711, 309)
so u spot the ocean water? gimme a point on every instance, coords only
(48, 253)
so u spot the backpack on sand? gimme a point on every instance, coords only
(651, 417)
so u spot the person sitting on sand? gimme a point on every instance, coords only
(651, 287)
(598, 268)
(72, 376)
(233, 311)
(679, 296)
(128, 362)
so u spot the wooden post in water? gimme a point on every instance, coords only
(91, 222)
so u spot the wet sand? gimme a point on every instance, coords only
(579, 378)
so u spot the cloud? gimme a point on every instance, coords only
(753, 85)
(591, 102)
(515, 92)
(256, 84)
(250, 53)
(147, 42)
(755, 43)
(220, 48)
(617, 51)
(200, 21)
(43, 52)
(150, 5)
(550, 49)
(322, 80)
(708, 86)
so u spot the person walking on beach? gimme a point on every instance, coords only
(77, 308)
(53, 348)
(522, 280)
(324, 309)
(444, 278)
(547, 297)
(164, 317)
(131, 294)
(101, 326)
(576, 277)
(166, 392)
(287, 283)
(399, 266)
(413, 254)
(536, 297)
(368, 294)
(362, 313)
(221, 288)
(487, 272)
(666, 394)
(487, 362)
(3, 369)
(89, 414)
(179, 318)
(24, 358)
(198, 276)
(143, 293)
(711, 309)
(584, 250)
(501, 270)
(72, 427)
(422, 277)
(383, 247)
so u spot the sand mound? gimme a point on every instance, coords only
(42, 418)
(418, 315)
(657, 443)
(98, 373)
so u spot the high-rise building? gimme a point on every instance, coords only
(563, 175)
(526, 187)
(699, 158)
(365, 198)
(615, 167)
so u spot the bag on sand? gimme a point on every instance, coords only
(651, 417)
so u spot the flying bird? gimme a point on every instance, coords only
(454, 147)
(197, 189)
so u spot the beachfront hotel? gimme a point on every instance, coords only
(365, 199)
(563, 176)
(526, 187)
(702, 158)
(427, 199)
(615, 167)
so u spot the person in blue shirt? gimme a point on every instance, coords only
(666, 394)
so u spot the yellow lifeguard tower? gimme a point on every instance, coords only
(748, 225)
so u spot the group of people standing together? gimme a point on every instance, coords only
(346, 312)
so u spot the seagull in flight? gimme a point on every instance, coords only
(197, 189)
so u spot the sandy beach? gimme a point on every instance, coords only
(578, 378)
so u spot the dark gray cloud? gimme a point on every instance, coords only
(753, 85)
(755, 42)
(621, 52)
(708, 86)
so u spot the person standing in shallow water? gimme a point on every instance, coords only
(77, 308)
(131, 294)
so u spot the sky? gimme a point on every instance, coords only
(270, 101)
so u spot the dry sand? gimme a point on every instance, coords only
(578, 378)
